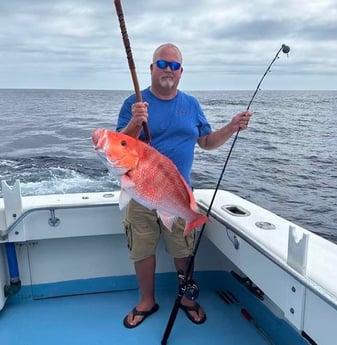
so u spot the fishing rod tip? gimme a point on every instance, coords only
(285, 49)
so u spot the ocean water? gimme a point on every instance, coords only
(286, 161)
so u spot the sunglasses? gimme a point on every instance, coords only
(174, 65)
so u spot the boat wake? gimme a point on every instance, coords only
(56, 175)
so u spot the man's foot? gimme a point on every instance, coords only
(136, 317)
(194, 313)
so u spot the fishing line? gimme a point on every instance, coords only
(186, 281)
(131, 62)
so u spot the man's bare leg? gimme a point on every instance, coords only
(145, 270)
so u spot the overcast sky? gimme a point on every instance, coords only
(226, 44)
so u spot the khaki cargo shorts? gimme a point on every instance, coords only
(143, 230)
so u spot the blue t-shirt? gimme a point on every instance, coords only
(175, 126)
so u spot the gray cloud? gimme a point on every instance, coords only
(77, 43)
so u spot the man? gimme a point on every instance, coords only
(176, 123)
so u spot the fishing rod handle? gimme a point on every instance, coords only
(172, 318)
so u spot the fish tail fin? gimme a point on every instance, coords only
(200, 220)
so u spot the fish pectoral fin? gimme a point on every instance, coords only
(168, 220)
(124, 199)
(126, 182)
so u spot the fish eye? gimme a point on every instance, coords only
(123, 143)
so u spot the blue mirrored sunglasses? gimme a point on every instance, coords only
(174, 65)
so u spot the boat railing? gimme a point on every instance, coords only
(52, 221)
(17, 208)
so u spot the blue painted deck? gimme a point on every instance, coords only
(97, 319)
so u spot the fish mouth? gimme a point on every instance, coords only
(95, 136)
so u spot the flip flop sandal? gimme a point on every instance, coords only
(136, 312)
(195, 308)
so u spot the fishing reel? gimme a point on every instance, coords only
(190, 288)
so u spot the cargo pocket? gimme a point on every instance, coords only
(128, 233)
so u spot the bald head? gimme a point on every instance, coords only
(164, 47)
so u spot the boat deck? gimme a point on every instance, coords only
(97, 319)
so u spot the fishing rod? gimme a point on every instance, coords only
(131, 62)
(187, 286)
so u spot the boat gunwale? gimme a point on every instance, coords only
(307, 282)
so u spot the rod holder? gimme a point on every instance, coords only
(297, 250)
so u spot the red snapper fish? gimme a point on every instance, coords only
(148, 177)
